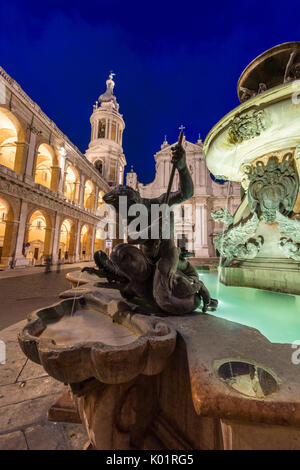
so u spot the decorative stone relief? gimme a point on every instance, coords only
(273, 187)
(246, 126)
(290, 242)
(238, 241)
(290, 249)
(34, 130)
(222, 215)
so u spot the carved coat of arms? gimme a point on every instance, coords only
(247, 126)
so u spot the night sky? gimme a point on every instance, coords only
(175, 62)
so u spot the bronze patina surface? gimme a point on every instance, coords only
(272, 68)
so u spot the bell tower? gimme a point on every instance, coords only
(105, 148)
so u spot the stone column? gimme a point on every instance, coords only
(109, 128)
(28, 176)
(204, 224)
(77, 242)
(60, 187)
(9, 242)
(56, 234)
(121, 175)
(165, 173)
(197, 176)
(93, 242)
(96, 199)
(106, 128)
(202, 173)
(48, 243)
(81, 191)
(20, 259)
(200, 245)
(55, 178)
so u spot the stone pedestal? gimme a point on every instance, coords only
(278, 275)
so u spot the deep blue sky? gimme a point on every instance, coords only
(175, 62)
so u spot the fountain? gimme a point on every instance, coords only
(153, 378)
(258, 144)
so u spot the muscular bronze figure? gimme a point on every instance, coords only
(157, 272)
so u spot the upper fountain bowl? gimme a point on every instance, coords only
(268, 70)
(267, 120)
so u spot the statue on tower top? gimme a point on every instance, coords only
(108, 96)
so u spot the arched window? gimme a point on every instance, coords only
(38, 246)
(100, 198)
(66, 244)
(99, 166)
(89, 195)
(99, 240)
(85, 242)
(46, 168)
(71, 186)
(101, 129)
(112, 171)
(11, 141)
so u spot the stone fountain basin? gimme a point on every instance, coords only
(280, 114)
(94, 343)
(198, 368)
(206, 344)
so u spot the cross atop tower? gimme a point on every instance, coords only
(111, 75)
(181, 128)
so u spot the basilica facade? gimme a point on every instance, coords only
(50, 192)
(194, 227)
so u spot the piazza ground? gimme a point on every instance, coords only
(26, 391)
(24, 290)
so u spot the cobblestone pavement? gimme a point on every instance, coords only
(26, 393)
(25, 290)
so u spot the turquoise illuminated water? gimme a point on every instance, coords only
(275, 315)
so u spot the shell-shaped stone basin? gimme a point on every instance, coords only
(76, 339)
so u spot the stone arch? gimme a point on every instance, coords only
(99, 240)
(99, 164)
(46, 167)
(66, 242)
(100, 198)
(12, 140)
(102, 129)
(71, 183)
(89, 195)
(7, 227)
(85, 242)
(38, 238)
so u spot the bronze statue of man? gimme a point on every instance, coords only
(155, 273)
